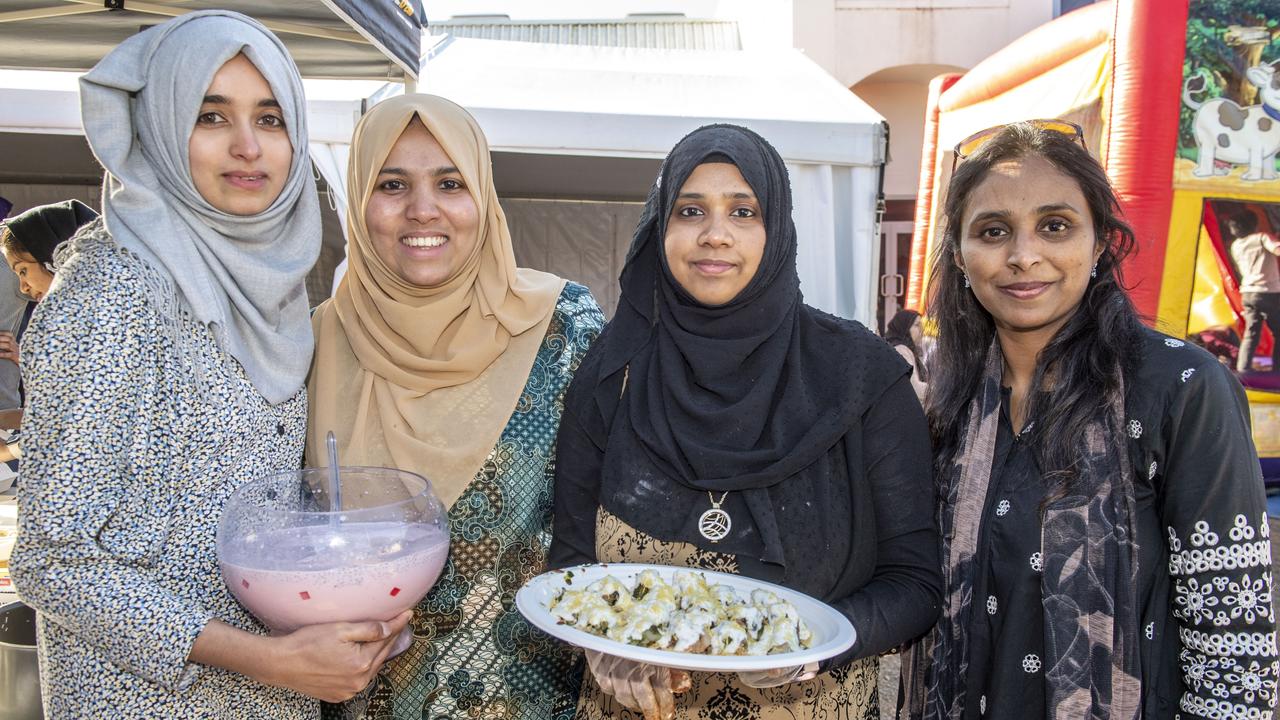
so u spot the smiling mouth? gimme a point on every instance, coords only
(713, 267)
(244, 180)
(427, 241)
(1025, 290)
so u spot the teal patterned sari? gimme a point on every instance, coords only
(473, 654)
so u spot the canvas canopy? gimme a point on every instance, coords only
(580, 133)
(613, 113)
(328, 38)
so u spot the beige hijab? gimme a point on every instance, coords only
(417, 378)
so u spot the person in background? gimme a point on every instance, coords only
(1220, 341)
(1254, 253)
(905, 333)
(13, 309)
(28, 242)
(165, 369)
(715, 393)
(1106, 543)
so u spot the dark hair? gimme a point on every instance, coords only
(1243, 223)
(1101, 336)
(39, 231)
(898, 332)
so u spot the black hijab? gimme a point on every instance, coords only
(898, 332)
(38, 231)
(737, 397)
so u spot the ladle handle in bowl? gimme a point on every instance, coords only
(335, 481)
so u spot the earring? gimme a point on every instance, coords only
(1094, 272)
(966, 279)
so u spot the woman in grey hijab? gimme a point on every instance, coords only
(164, 370)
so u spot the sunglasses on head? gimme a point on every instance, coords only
(970, 145)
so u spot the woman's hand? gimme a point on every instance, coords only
(330, 662)
(8, 347)
(651, 689)
(333, 662)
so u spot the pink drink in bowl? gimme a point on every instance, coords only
(294, 561)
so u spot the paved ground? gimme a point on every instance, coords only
(889, 665)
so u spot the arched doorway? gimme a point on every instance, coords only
(899, 94)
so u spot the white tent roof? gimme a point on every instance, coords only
(636, 103)
(39, 101)
(578, 100)
(609, 103)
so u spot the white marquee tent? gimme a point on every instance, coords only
(577, 132)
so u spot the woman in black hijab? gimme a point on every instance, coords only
(716, 393)
(905, 334)
(30, 239)
(28, 242)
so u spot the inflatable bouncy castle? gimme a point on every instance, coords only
(1181, 102)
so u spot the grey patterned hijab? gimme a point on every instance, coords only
(242, 276)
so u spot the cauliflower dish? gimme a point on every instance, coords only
(688, 615)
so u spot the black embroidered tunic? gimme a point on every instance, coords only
(1208, 646)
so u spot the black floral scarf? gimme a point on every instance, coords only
(1089, 582)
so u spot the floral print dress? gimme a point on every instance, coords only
(137, 430)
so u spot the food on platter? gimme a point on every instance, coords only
(688, 615)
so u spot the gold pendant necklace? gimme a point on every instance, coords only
(714, 524)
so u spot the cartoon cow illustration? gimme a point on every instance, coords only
(1229, 133)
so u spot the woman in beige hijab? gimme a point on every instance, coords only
(438, 355)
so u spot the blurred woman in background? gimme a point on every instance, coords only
(906, 335)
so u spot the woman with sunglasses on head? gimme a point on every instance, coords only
(1105, 533)
(165, 370)
(715, 393)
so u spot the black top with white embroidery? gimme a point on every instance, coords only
(1208, 646)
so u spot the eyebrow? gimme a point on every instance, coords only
(989, 215)
(224, 100)
(1001, 214)
(437, 172)
(735, 196)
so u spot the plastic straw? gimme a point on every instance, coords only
(335, 482)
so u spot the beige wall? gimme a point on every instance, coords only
(887, 51)
(853, 39)
(900, 95)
